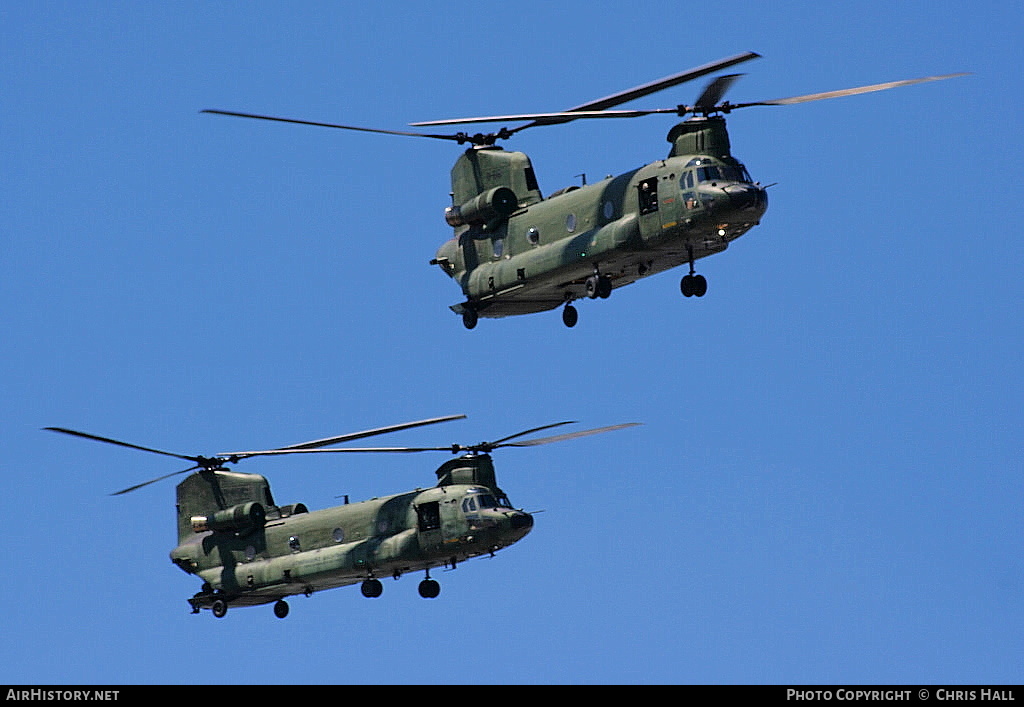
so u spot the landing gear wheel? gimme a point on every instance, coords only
(570, 316)
(429, 588)
(693, 286)
(686, 285)
(280, 608)
(469, 318)
(219, 608)
(372, 588)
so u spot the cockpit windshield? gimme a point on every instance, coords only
(480, 501)
(709, 171)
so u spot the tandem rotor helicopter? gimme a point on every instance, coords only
(516, 252)
(249, 551)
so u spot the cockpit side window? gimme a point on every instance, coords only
(709, 174)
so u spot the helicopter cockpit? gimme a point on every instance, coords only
(723, 185)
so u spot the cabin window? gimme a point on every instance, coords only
(498, 246)
(293, 543)
(468, 505)
(570, 223)
(648, 194)
(533, 235)
(338, 535)
(608, 210)
(687, 181)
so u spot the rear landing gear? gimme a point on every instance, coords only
(372, 588)
(219, 608)
(469, 317)
(280, 608)
(429, 588)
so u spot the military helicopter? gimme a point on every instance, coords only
(516, 252)
(249, 551)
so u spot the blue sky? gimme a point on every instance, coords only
(827, 484)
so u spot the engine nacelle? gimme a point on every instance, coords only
(491, 205)
(244, 516)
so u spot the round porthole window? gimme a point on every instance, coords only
(338, 534)
(533, 235)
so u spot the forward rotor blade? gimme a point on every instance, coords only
(653, 87)
(368, 433)
(846, 91)
(548, 118)
(457, 138)
(714, 93)
(526, 432)
(569, 435)
(338, 450)
(86, 435)
(597, 109)
(153, 481)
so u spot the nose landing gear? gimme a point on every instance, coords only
(693, 285)
(598, 286)
(570, 316)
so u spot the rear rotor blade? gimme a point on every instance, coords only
(153, 481)
(86, 435)
(457, 138)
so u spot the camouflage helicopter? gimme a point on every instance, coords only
(516, 252)
(249, 551)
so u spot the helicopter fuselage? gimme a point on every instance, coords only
(299, 552)
(624, 228)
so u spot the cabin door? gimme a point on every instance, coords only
(428, 524)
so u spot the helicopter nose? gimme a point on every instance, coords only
(747, 198)
(521, 521)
